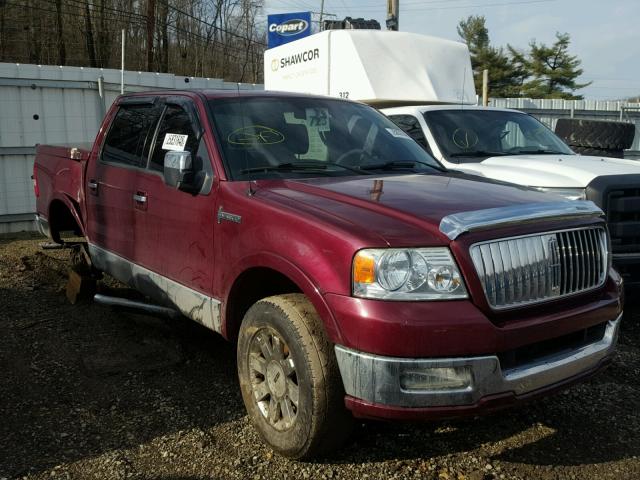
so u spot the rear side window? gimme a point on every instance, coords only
(131, 130)
(175, 133)
(411, 126)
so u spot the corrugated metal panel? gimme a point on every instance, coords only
(51, 104)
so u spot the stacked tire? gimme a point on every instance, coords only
(595, 137)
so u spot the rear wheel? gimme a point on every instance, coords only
(289, 378)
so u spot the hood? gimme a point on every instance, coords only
(570, 171)
(404, 210)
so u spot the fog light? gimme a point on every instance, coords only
(437, 378)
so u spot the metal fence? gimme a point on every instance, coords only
(549, 111)
(49, 104)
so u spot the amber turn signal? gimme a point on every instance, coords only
(364, 270)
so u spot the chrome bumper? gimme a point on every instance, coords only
(43, 226)
(376, 379)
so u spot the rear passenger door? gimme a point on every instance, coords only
(112, 177)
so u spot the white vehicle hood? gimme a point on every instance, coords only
(550, 170)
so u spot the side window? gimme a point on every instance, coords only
(411, 126)
(175, 133)
(130, 134)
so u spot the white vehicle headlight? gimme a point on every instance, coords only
(407, 274)
(568, 193)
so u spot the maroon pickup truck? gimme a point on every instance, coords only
(356, 274)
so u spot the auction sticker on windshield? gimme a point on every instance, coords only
(174, 141)
(398, 133)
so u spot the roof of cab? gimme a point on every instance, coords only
(213, 94)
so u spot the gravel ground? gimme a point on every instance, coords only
(90, 392)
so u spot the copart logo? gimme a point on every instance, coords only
(290, 27)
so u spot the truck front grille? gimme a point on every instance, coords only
(534, 268)
(623, 215)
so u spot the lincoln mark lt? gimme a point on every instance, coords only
(357, 276)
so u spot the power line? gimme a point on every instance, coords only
(420, 6)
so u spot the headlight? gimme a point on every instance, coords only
(568, 193)
(407, 274)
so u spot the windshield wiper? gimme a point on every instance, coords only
(539, 151)
(300, 167)
(400, 164)
(479, 153)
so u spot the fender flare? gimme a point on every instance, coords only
(296, 275)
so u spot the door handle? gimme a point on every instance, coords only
(140, 198)
(93, 185)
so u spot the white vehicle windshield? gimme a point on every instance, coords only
(473, 135)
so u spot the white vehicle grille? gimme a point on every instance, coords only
(531, 269)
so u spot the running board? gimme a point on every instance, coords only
(133, 304)
(59, 246)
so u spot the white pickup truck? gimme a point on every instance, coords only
(425, 85)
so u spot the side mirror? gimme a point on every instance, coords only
(178, 170)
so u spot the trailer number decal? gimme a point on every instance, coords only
(174, 141)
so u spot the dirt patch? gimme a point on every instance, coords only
(91, 392)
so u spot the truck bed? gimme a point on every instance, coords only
(58, 174)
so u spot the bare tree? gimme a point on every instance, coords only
(212, 38)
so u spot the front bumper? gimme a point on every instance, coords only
(372, 382)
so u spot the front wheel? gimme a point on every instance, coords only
(289, 378)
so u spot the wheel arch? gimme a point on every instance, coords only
(266, 275)
(64, 215)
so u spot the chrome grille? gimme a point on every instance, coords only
(531, 269)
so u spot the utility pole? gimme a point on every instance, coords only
(485, 87)
(321, 12)
(151, 26)
(122, 64)
(393, 14)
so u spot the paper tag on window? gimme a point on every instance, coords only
(318, 118)
(398, 133)
(174, 141)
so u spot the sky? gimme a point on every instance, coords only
(604, 33)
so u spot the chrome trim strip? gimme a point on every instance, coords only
(626, 256)
(456, 224)
(376, 379)
(194, 305)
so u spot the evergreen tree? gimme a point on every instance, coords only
(551, 71)
(505, 75)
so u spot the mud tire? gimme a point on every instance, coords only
(322, 422)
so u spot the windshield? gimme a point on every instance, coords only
(473, 135)
(291, 137)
